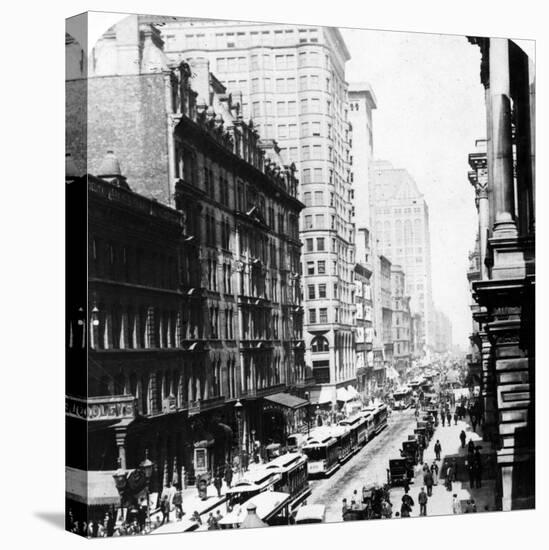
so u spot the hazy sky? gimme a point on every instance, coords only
(430, 111)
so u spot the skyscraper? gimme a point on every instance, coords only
(401, 227)
(290, 80)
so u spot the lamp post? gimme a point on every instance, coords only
(120, 479)
(147, 468)
(308, 398)
(238, 411)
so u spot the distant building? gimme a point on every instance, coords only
(442, 340)
(400, 218)
(402, 333)
(364, 328)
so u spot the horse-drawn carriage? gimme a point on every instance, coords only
(410, 450)
(371, 506)
(400, 471)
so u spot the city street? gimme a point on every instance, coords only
(365, 468)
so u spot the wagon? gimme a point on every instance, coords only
(400, 471)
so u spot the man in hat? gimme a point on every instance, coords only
(422, 499)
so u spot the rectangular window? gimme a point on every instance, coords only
(321, 267)
(305, 152)
(291, 85)
(303, 106)
(268, 108)
(317, 150)
(292, 131)
(315, 105)
(280, 85)
(306, 176)
(303, 83)
(312, 316)
(307, 198)
(255, 84)
(308, 222)
(304, 129)
(314, 81)
(310, 268)
(282, 131)
(281, 108)
(319, 198)
(317, 175)
(322, 291)
(323, 315)
(309, 245)
(320, 244)
(293, 150)
(291, 108)
(255, 109)
(311, 292)
(315, 128)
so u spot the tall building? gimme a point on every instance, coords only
(194, 308)
(290, 80)
(401, 227)
(401, 322)
(442, 341)
(364, 328)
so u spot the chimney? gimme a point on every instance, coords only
(200, 68)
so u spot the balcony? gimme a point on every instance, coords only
(110, 407)
(201, 405)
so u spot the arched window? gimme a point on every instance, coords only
(319, 344)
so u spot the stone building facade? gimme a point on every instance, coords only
(504, 288)
(290, 79)
(195, 299)
(401, 322)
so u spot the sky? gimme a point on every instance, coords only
(430, 110)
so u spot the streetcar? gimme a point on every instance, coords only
(358, 427)
(272, 507)
(322, 452)
(380, 414)
(254, 482)
(342, 435)
(292, 468)
(402, 399)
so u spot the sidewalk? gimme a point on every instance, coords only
(440, 503)
(191, 503)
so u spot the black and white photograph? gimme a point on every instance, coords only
(304, 289)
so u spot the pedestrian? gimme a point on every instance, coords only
(434, 472)
(443, 417)
(471, 448)
(196, 517)
(344, 507)
(455, 418)
(407, 505)
(178, 504)
(165, 509)
(448, 481)
(438, 449)
(449, 417)
(422, 499)
(426, 468)
(212, 523)
(456, 504)
(218, 483)
(463, 438)
(228, 474)
(477, 469)
(428, 481)
(454, 469)
(474, 422)
(218, 516)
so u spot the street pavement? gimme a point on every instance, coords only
(367, 467)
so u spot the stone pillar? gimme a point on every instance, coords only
(502, 161)
(120, 435)
(488, 391)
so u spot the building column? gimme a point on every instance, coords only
(489, 427)
(502, 161)
(120, 436)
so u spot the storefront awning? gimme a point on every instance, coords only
(352, 392)
(343, 395)
(325, 396)
(287, 400)
(94, 488)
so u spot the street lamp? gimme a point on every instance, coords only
(120, 480)
(238, 411)
(147, 468)
(308, 398)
